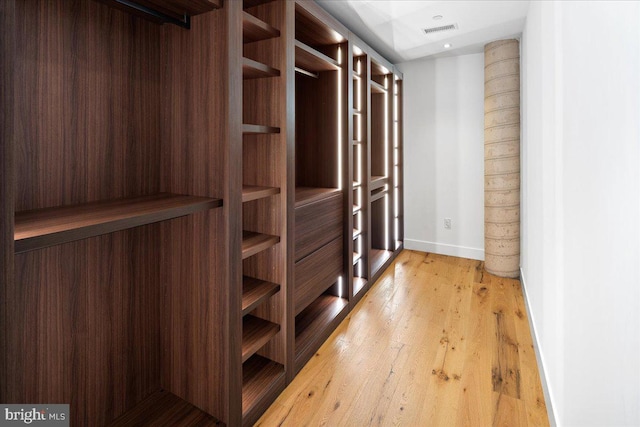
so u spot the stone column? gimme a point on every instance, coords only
(502, 158)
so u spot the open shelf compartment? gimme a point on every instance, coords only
(41, 228)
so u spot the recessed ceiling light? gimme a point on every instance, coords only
(447, 45)
(437, 17)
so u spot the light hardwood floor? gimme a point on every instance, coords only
(436, 342)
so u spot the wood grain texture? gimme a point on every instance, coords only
(262, 379)
(7, 178)
(252, 243)
(255, 192)
(256, 333)
(164, 409)
(254, 70)
(315, 324)
(52, 226)
(254, 29)
(174, 8)
(317, 224)
(317, 28)
(256, 292)
(62, 299)
(310, 59)
(317, 272)
(426, 357)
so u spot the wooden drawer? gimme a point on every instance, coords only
(317, 224)
(315, 273)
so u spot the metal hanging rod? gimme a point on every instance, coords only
(307, 73)
(185, 22)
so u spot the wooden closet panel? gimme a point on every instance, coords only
(87, 93)
(196, 269)
(83, 325)
(317, 113)
(317, 224)
(378, 134)
(7, 176)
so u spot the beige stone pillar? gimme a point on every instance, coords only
(502, 158)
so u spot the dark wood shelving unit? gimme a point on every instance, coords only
(253, 243)
(254, 29)
(256, 333)
(40, 228)
(165, 409)
(255, 292)
(110, 184)
(255, 70)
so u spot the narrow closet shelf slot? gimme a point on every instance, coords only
(309, 59)
(164, 408)
(254, 192)
(261, 377)
(253, 243)
(256, 333)
(356, 233)
(40, 228)
(255, 292)
(356, 209)
(255, 29)
(255, 70)
(248, 129)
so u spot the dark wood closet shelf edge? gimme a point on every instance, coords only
(41, 228)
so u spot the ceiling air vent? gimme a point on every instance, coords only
(432, 30)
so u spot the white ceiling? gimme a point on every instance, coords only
(394, 27)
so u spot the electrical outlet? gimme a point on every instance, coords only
(447, 223)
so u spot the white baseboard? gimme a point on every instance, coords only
(444, 249)
(543, 374)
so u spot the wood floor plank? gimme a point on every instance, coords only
(436, 341)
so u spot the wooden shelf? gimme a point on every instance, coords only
(260, 378)
(356, 257)
(377, 182)
(358, 284)
(258, 129)
(312, 323)
(377, 195)
(356, 184)
(254, 192)
(377, 87)
(41, 228)
(255, 70)
(378, 258)
(310, 59)
(306, 195)
(253, 243)
(255, 292)
(356, 209)
(356, 233)
(256, 333)
(164, 409)
(254, 29)
(162, 11)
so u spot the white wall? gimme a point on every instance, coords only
(581, 205)
(444, 155)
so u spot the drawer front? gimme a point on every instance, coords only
(317, 272)
(317, 224)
